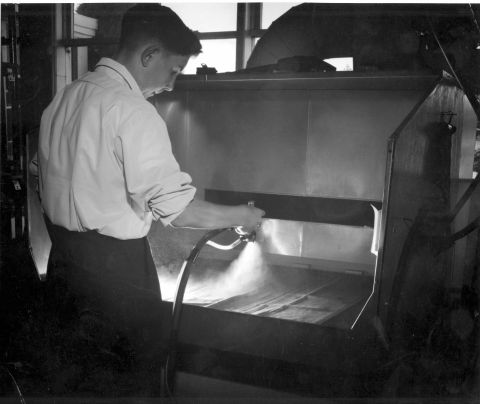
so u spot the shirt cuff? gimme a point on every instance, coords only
(169, 206)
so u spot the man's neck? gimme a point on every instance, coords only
(129, 62)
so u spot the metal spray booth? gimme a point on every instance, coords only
(332, 291)
(317, 153)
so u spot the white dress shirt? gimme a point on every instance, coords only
(105, 158)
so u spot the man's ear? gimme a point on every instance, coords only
(148, 53)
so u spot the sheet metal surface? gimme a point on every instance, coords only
(335, 242)
(250, 140)
(413, 184)
(345, 244)
(38, 238)
(347, 140)
(316, 137)
(282, 237)
(293, 244)
(302, 140)
(297, 295)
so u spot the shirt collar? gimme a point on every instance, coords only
(113, 68)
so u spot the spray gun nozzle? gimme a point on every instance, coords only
(249, 237)
(252, 237)
(246, 236)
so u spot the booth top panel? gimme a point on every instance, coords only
(286, 140)
(321, 81)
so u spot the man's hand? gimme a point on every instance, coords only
(253, 220)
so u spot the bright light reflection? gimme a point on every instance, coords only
(341, 64)
(217, 53)
(206, 17)
(278, 235)
(246, 273)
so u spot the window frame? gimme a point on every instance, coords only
(249, 16)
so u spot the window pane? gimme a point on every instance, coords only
(84, 27)
(207, 17)
(341, 64)
(271, 11)
(217, 53)
(82, 60)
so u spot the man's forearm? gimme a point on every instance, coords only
(206, 215)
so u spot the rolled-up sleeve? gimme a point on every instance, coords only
(154, 181)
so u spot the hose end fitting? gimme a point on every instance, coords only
(250, 237)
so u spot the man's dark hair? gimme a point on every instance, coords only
(153, 21)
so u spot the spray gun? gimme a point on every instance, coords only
(243, 236)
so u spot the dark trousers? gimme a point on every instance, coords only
(106, 297)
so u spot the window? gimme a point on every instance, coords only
(232, 30)
(207, 17)
(218, 53)
(228, 31)
(341, 64)
(84, 27)
(271, 11)
(218, 22)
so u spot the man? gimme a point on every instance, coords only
(106, 170)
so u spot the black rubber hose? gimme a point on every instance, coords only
(177, 306)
